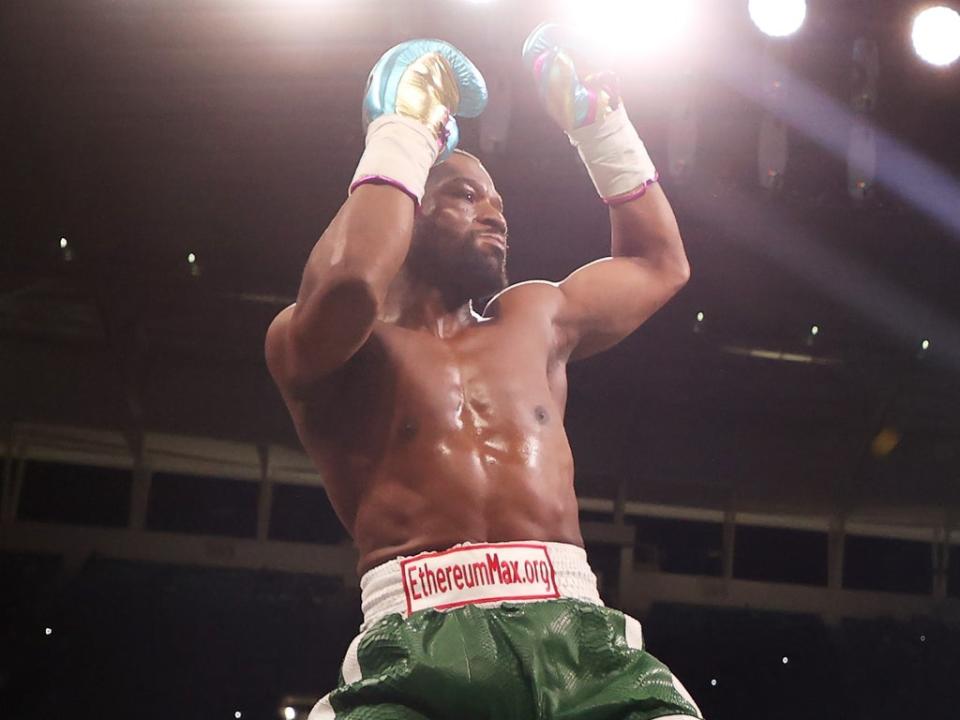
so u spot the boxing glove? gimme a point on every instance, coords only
(571, 103)
(429, 81)
(591, 114)
(413, 93)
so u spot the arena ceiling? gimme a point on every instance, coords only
(144, 131)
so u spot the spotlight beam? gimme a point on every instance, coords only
(836, 274)
(826, 121)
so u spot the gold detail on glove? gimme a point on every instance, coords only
(568, 100)
(428, 92)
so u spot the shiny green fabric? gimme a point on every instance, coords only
(560, 659)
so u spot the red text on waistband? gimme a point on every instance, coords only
(478, 574)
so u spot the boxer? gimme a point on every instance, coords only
(439, 432)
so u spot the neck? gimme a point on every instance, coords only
(413, 304)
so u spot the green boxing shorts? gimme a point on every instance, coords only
(501, 631)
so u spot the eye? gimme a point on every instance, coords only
(468, 195)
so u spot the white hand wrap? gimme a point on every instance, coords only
(399, 151)
(615, 156)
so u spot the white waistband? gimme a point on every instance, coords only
(477, 574)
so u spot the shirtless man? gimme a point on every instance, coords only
(439, 432)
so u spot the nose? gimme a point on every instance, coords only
(492, 218)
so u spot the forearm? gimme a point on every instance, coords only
(342, 288)
(413, 92)
(366, 244)
(641, 219)
(647, 228)
(596, 123)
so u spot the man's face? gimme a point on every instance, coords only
(460, 236)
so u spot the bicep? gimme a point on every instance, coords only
(607, 300)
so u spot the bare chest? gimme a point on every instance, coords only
(473, 383)
(407, 390)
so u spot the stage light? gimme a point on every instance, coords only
(194, 265)
(815, 330)
(785, 659)
(238, 715)
(289, 713)
(63, 243)
(936, 35)
(925, 345)
(778, 18)
(48, 631)
(713, 682)
(634, 26)
(885, 442)
(698, 325)
(923, 638)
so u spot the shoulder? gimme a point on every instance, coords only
(531, 310)
(533, 297)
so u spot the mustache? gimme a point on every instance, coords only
(475, 235)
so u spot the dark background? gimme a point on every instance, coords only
(142, 131)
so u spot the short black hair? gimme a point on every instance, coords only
(456, 151)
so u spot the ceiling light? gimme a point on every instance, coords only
(621, 26)
(778, 18)
(936, 35)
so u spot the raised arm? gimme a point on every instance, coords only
(608, 299)
(412, 94)
(605, 301)
(343, 284)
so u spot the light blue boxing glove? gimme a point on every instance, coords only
(429, 81)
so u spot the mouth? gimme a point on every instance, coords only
(495, 239)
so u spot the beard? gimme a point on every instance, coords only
(458, 265)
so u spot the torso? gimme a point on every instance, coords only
(425, 442)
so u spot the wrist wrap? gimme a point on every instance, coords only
(399, 151)
(615, 156)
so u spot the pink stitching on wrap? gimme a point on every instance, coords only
(383, 180)
(633, 194)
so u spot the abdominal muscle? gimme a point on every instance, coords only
(424, 444)
(437, 493)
